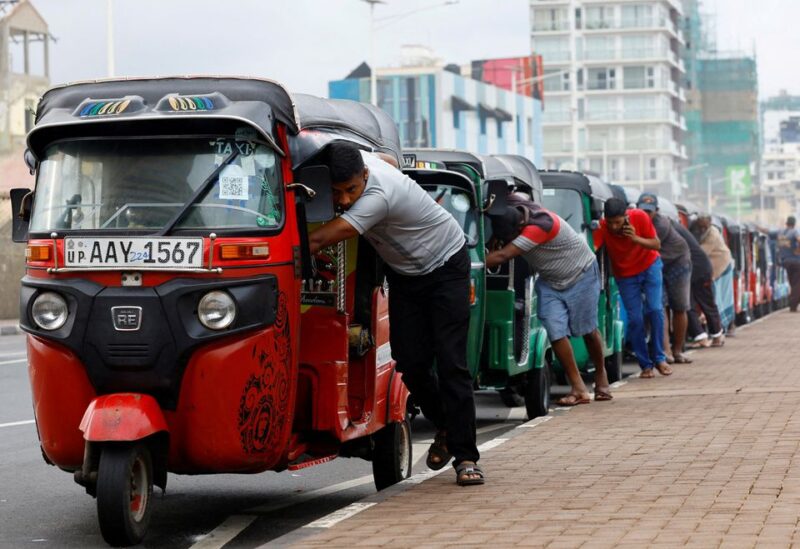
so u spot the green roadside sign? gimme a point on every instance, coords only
(738, 181)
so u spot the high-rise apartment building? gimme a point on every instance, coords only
(614, 88)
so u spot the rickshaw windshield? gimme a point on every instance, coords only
(141, 184)
(566, 203)
(459, 204)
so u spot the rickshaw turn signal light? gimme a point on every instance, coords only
(472, 291)
(38, 253)
(244, 251)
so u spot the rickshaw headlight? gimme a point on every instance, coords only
(216, 310)
(49, 311)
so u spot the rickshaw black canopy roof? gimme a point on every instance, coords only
(587, 184)
(257, 102)
(340, 115)
(450, 156)
(520, 169)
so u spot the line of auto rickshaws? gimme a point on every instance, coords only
(508, 346)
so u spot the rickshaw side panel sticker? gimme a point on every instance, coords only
(264, 404)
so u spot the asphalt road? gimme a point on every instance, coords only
(41, 505)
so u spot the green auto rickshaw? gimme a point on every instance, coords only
(507, 344)
(579, 198)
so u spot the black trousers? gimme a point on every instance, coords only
(703, 299)
(429, 316)
(793, 270)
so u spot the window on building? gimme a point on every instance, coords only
(602, 79)
(599, 17)
(550, 19)
(499, 129)
(456, 119)
(482, 119)
(650, 80)
(633, 78)
(530, 130)
(578, 23)
(552, 48)
(652, 169)
(613, 169)
(519, 128)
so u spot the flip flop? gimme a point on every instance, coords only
(602, 395)
(664, 370)
(647, 373)
(438, 450)
(572, 400)
(466, 468)
(680, 359)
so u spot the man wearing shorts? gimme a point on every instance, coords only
(567, 286)
(677, 275)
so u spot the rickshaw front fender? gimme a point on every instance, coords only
(540, 344)
(122, 417)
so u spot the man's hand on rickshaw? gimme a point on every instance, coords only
(330, 233)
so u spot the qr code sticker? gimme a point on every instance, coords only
(233, 184)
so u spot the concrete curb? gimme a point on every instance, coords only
(10, 329)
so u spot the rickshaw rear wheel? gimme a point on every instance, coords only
(614, 367)
(391, 455)
(124, 493)
(537, 391)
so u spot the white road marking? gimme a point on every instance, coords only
(17, 423)
(225, 532)
(489, 444)
(340, 515)
(305, 496)
(535, 422)
(18, 361)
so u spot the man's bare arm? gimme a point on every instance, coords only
(330, 233)
(498, 257)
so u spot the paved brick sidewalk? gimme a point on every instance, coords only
(705, 458)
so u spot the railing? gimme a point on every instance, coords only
(555, 56)
(550, 26)
(556, 116)
(556, 148)
(631, 114)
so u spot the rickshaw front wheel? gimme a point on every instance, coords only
(124, 493)
(537, 391)
(391, 455)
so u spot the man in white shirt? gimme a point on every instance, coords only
(424, 249)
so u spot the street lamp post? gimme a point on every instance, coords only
(373, 78)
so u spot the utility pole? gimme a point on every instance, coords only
(110, 39)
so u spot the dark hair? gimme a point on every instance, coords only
(790, 221)
(344, 161)
(615, 207)
(505, 226)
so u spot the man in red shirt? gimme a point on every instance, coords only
(632, 246)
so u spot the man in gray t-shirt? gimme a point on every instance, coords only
(428, 271)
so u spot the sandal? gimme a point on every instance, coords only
(463, 472)
(681, 359)
(438, 456)
(572, 400)
(664, 370)
(647, 373)
(602, 395)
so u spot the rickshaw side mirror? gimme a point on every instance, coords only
(318, 195)
(496, 197)
(30, 161)
(21, 200)
(596, 209)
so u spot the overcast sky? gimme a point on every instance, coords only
(306, 43)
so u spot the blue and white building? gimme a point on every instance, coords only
(435, 106)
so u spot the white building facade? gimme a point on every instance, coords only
(613, 89)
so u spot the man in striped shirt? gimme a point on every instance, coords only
(567, 288)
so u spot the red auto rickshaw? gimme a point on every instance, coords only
(176, 320)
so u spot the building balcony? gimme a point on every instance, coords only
(556, 117)
(550, 26)
(555, 58)
(635, 116)
(627, 55)
(561, 148)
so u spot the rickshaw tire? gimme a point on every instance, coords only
(391, 454)
(614, 366)
(118, 465)
(537, 391)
